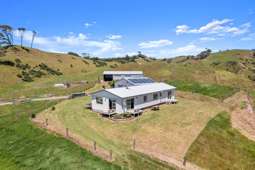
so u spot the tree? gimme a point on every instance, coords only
(6, 36)
(21, 32)
(33, 37)
(203, 54)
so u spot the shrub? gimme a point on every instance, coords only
(7, 63)
(26, 77)
(17, 61)
(203, 54)
(23, 66)
(215, 63)
(232, 66)
(49, 70)
(53, 108)
(33, 115)
(19, 75)
(84, 61)
(26, 49)
(74, 54)
(243, 105)
(99, 63)
(36, 73)
(251, 77)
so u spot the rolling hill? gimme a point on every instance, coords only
(231, 68)
(26, 72)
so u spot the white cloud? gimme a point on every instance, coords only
(114, 37)
(78, 42)
(189, 49)
(155, 44)
(207, 39)
(89, 24)
(220, 27)
(180, 29)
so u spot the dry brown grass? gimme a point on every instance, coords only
(169, 131)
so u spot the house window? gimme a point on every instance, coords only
(112, 104)
(169, 94)
(99, 100)
(144, 98)
(155, 96)
(130, 103)
(160, 94)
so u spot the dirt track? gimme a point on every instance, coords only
(242, 117)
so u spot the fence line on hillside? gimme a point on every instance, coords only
(91, 146)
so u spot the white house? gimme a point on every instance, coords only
(116, 75)
(131, 98)
(131, 81)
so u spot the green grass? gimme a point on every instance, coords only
(24, 146)
(159, 131)
(212, 90)
(219, 146)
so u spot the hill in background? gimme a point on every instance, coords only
(32, 72)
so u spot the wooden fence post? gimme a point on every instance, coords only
(184, 161)
(95, 145)
(110, 154)
(134, 143)
(46, 122)
(67, 132)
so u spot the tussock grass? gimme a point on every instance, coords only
(219, 146)
(24, 146)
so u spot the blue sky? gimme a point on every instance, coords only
(110, 28)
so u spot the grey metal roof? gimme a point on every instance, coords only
(140, 80)
(125, 92)
(122, 72)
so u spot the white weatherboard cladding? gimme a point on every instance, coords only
(140, 104)
(104, 108)
(121, 107)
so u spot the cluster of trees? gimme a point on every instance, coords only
(6, 35)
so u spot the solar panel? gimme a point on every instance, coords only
(141, 80)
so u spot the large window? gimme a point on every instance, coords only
(112, 104)
(130, 103)
(99, 100)
(169, 94)
(155, 96)
(144, 98)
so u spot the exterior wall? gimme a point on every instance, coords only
(140, 104)
(104, 108)
(122, 83)
(121, 103)
(120, 76)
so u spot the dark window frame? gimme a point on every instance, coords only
(99, 100)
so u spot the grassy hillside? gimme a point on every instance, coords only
(168, 131)
(233, 68)
(72, 68)
(219, 146)
(24, 146)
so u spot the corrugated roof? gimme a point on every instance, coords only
(124, 92)
(122, 72)
(139, 80)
